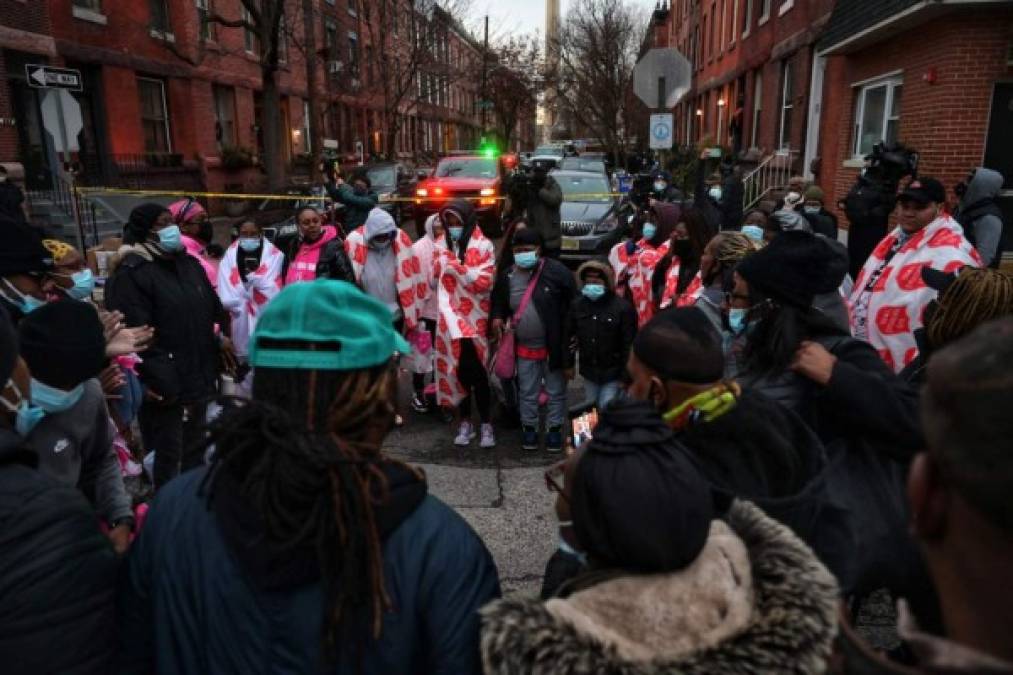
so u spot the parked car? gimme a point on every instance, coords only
(555, 153)
(582, 163)
(395, 184)
(593, 221)
(476, 178)
(277, 216)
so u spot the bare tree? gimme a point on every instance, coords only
(596, 50)
(409, 43)
(513, 84)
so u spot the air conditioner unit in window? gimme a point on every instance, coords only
(335, 67)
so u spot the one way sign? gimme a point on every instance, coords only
(55, 78)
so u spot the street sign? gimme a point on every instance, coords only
(661, 131)
(61, 116)
(662, 78)
(42, 76)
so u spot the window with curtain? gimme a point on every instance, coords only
(154, 115)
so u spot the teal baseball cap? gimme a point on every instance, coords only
(350, 330)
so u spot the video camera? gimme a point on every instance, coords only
(891, 162)
(642, 189)
(526, 181)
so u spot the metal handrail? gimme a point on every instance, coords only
(772, 173)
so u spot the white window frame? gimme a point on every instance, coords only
(757, 109)
(787, 77)
(229, 107)
(749, 20)
(353, 55)
(891, 82)
(785, 6)
(735, 23)
(165, 112)
(249, 35)
(765, 13)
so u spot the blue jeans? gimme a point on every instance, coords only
(530, 375)
(599, 395)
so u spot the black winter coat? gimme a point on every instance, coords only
(203, 593)
(552, 299)
(604, 331)
(57, 573)
(173, 296)
(824, 223)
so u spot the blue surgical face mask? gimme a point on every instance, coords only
(650, 229)
(660, 186)
(526, 259)
(249, 243)
(455, 233)
(738, 320)
(84, 284)
(715, 193)
(170, 238)
(754, 232)
(26, 415)
(811, 209)
(54, 400)
(593, 291)
(26, 303)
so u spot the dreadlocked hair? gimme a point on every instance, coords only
(976, 296)
(729, 250)
(301, 455)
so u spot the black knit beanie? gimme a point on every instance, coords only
(791, 269)
(638, 502)
(529, 236)
(22, 251)
(63, 343)
(140, 222)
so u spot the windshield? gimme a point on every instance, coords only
(592, 189)
(473, 167)
(548, 150)
(578, 164)
(382, 177)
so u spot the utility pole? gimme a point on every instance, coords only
(484, 104)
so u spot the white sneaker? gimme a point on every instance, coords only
(465, 435)
(488, 437)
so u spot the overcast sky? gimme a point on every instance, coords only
(519, 16)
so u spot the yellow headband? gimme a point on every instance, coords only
(59, 249)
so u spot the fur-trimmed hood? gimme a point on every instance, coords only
(757, 600)
(603, 268)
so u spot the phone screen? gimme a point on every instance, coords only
(251, 264)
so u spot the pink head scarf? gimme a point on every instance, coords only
(185, 210)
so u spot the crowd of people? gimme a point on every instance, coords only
(775, 441)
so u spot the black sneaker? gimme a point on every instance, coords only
(554, 440)
(529, 438)
(419, 404)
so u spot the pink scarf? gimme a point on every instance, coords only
(196, 249)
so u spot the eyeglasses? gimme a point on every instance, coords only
(554, 480)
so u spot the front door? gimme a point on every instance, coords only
(999, 152)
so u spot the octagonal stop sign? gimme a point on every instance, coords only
(662, 78)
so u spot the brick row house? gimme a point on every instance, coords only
(818, 82)
(166, 92)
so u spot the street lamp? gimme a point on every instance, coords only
(721, 119)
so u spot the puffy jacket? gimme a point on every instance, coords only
(57, 573)
(200, 596)
(604, 329)
(552, 299)
(357, 207)
(173, 296)
(543, 213)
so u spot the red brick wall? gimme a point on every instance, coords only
(945, 121)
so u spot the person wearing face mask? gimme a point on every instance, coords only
(359, 198)
(59, 571)
(659, 224)
(25, 266)
(534, 296)
(662, 189)
(710, 199)
(980, 215)
(676, 280)
(602, 326)
(820, 220)
(196, 233)
(74, 438)
(71, 276)
(465, 270)
(672, 583)
(316, 253)
(889, 296)
(717, 264)
(154, 282)
(866, 416)
(386, 267)
(249, 276)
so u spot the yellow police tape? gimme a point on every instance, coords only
(85, 191)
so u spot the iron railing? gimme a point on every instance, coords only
(771, 174)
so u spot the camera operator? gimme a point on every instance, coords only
(542, 208)
(662, 189)
(873, 197)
